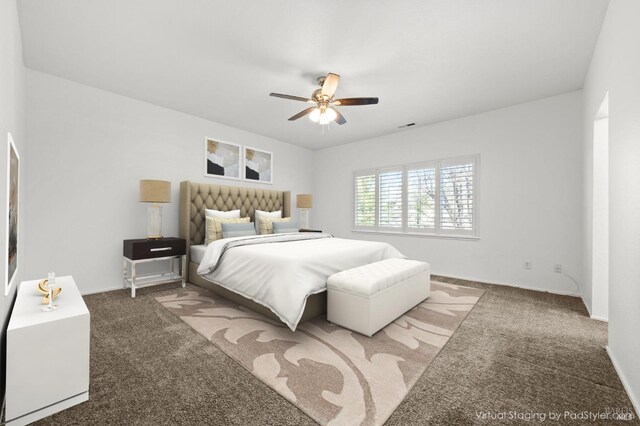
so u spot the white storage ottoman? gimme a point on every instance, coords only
(367, 298)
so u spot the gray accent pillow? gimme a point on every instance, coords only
(284, 227)
(230, 230)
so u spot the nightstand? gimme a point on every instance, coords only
(135, 252)
(309, 230)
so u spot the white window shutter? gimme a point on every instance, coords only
(390, 199)
(457, 188)
(437, 197)
(421, 198)
(365, 201)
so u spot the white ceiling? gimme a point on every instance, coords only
(427, 60)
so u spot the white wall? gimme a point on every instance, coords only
(530, 191)
(88, 149)
(600, 229)
(615, 68)
(12, 119)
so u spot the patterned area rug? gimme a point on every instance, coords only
(336, 376)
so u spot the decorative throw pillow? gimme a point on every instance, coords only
(259, 214)
(284, 227)
(231, 214)
(230, 230)
(266, 224)
(214, 227)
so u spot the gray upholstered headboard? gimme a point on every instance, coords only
(195, 197)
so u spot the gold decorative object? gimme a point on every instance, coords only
(42, 286)
(42, 289)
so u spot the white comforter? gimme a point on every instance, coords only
(281, 271)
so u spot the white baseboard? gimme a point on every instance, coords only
(595, 317)
(634, 399)
(587, 306)
(511, 285)
(49, 410)
(102, 290)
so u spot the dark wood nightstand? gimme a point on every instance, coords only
(309, 230)
(143, 250)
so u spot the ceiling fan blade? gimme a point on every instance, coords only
(302, 113)
(330, 85)
(355, 101)
(339, 117)
(291, 97)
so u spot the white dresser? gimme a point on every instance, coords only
(47, 353)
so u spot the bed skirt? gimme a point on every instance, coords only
(315, 307)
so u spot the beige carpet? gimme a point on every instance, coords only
(334, 375)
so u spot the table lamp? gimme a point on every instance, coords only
(304, 203)
(155, 192)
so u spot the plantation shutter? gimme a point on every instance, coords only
(421, 197)
(457, 189)
(390, 198)
(365, 200)
(431, 198)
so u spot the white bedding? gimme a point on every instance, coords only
(197, 253)
(280, 271)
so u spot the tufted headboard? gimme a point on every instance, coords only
(195, 197)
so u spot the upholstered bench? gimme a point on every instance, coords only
(367, 298)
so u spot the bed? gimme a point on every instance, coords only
(277, 270)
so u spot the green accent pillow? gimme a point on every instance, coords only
(284, 227)
(230, 230)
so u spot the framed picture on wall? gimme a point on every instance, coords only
(258, 165)
(13, 176)
(221, 159)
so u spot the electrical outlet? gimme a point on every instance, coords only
(527, 264)
(557, 268)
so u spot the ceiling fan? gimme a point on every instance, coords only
(324, 109)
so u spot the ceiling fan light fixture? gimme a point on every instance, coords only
(323, 113)
(324, 118)
(315, 115)
(331, 114)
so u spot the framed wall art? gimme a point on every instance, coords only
(221, 159)
(258, 165)
(13, 177)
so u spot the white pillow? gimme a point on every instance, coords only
(231, 214)
(259, 214)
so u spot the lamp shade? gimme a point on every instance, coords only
(155, 191)
(304, 201)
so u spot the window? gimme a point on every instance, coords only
(390, 199)
(433, 198)
(366, 200)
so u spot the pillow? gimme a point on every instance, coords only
(214, 227)
(284, 227)
(230, 230)
(259, 214)
(231, 214)
(266, 224)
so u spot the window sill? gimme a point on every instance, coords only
(418, 234)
